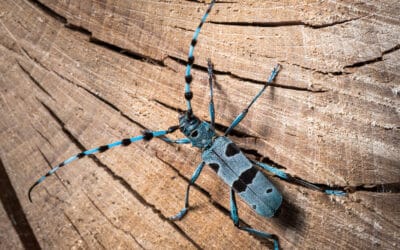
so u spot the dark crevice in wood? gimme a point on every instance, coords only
(378, 188)
(108, 103)
(15, 212)
(207, 2)
(236, 133)
(99, 242)
(197, 187)
(285, 23)
(129, 53)
(219, 127)
(41, 135)
(178, 110)
(50, 166)
(36, 82)
(79, 29)
(56, 198)
(241, 78)
(253, 152)
(144, 58)
(112, 223)
(363, 63)
(373, 60)
(34, 59)
(114, 48)
(48, 11)
(334, 73)
(75, 228)
(94, 40)
(397, 47)
(375, 188)
(118, 178)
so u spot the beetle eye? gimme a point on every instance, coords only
(194, 133)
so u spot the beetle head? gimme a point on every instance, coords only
(198, 132)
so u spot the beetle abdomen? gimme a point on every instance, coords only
(238, 172)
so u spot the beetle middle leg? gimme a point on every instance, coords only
(195, 175)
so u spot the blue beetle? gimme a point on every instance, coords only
(218, 152)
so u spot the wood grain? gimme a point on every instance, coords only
(78, 74)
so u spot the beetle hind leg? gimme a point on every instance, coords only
(235, 219)
(287, 177)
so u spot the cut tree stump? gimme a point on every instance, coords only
(79, 74)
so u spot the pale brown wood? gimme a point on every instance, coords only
(79, 74)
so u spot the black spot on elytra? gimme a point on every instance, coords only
(269, 190)
(248, 175)
(214, 166)
(231, 150)
(239, 186)
(245, 178)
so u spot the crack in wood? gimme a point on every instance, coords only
(112, 223)
(94, 40)
(246, 79)
(108, 103)
(50, 166)
(41, 135)
(373, 60)
(118, 178)
(126, 52)
(99, 242)
(75, 228)
(378, 188)
(138, 56)
(34, 80)
(111, 105)
(48, 11)
(219, 127)
(331, 73)
(373, 188)
(286, 23)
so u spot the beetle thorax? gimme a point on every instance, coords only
(198, 132)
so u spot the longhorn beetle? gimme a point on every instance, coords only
(219, 152)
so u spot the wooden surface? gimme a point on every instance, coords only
(78, 74)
